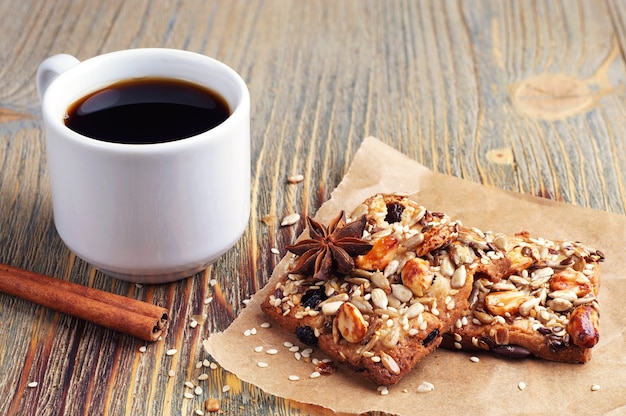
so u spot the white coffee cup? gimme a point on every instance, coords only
(148, 213)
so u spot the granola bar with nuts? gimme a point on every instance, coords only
(378, 288)
(545, 306)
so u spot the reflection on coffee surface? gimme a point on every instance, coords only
(146, 111)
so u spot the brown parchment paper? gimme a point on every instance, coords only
(489, 387)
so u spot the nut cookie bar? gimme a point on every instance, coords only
(545, 306)
(377, 289)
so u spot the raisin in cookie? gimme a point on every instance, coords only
(545, 306)
(378, 289)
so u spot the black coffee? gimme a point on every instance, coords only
(145, 111)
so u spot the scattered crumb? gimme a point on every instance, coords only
(268, 220)
(212, 405)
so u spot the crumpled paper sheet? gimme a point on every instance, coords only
(489, 387)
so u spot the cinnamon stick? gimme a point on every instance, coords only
(130, 316)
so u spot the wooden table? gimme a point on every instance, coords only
(526, 96)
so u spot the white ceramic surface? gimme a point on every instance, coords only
(147, 213)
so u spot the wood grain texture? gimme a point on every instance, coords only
(526, 95)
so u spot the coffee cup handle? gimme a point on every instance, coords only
(51, 68)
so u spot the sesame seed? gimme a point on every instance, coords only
(290, 219)
(171, 373)
(458, 345)
(384, 391)
(272, 351)
(293, 378)
(138, 285)
(199, 412)
(188, 396)
(203, 376)
(274, 250)
(143, 348)
(295, 178)
(253, 331)
(474, 359)
(189, 384)
(206, 363)
(258, 349)
(32, 384)
(521, 385)
(213, 366)
(266, 325)
(225, 388)
(247, 333)
(287, 344)
(262, 364)
(171, 351)
(595, 387)
(315, 374)
(425, 387)
(294, 348)
(198, 391)
(193, 323)
(297, 355)
(208, 300)
(212, 282)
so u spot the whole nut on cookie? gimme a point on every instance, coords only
(350, 322)
(583, 326)
(380, 255)
(570, 279)
(501, 303)
(417, 275)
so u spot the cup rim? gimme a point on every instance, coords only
(49, 112)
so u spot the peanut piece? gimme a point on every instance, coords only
(350, 323)
(382, 252)
(501, 303)
(417, 276)
(583, 326)
(571, 280)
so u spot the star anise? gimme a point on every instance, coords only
(330, 248)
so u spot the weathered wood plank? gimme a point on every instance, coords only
(524, 95)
